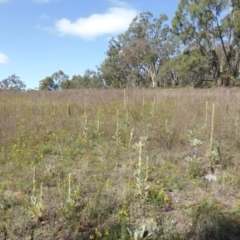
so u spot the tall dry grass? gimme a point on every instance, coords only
(71, 166)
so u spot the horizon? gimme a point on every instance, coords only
(46, 36)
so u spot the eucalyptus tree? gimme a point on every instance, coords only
(91, 79)
(135, 57)
(55, 81)
(187, 68)
(13, 82)
(214, 27)
(47, 84)
(147, 43)
(114, 71)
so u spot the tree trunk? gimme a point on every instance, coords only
(153, 78)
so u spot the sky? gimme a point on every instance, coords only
(41, 37)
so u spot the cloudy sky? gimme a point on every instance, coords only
(40, 37)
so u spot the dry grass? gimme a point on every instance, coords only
(91, 164)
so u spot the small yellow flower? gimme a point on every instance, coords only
(123, 213)
(166, 198)
(98, 233)
(75, 194)
(106, 232)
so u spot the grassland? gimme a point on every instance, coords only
(120, 164)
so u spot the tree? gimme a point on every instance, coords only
(90, 79)
(136, 56)
(12, 83)
(148, 43)
(205, 25)
(76, 81)
(113, 70)
(55, 82)
(189, 67)
(59, 78)
(47, 84)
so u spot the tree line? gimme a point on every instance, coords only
(201, 48)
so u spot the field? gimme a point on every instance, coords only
(120, 164)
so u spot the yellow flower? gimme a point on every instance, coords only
(98, 233)
(75, 194)
(106, 232)
(123, 213)
(166, 198)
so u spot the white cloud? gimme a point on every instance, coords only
(114, 21)
(3, 58)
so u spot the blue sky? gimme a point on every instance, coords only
(40, 37)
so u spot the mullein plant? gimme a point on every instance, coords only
(125, 100)
(213, 153)
(206, 116)
(53, 109)
(85, 131)
(139, 233)
(236, 125)
(98, 130)
(143, 106)
(153, 109)
(37, 207)
(127, 122)
(70, 200)
(39, 109)
(117, 133)
(195, 143)
(140, 184)
(131, 137)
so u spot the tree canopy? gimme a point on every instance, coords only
(135, 57)
(55, 82)
(202, 45)
(13, 82)
(212, 26)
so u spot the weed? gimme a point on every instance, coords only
(75, 164)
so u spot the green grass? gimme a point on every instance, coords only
(91, 164)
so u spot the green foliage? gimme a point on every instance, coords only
(114, 71)
(54, 82)
(87, 184)
(200, 24)
(46, 83)
(135, 57)
(90, 79)
(210, 221)
(12, 83)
